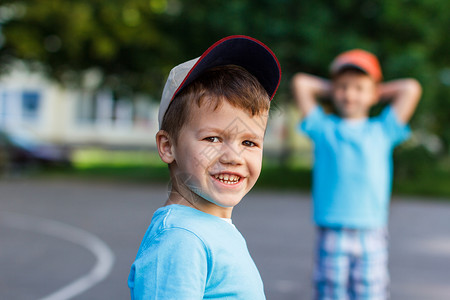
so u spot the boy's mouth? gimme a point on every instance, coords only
(228, 178)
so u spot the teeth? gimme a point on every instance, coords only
(228, 178)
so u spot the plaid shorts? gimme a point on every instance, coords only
(351, 264)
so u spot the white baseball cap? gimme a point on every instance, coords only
(240, 50)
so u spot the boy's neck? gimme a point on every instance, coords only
(356, 118)
(198, 203)
(362, 115)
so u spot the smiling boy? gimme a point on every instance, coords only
(352, 174)
(212, 117)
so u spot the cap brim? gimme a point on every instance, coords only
(243, 51)
(346, 66)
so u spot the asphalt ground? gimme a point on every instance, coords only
(79, 239)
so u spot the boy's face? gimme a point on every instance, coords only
(218, 156)
(353, 94)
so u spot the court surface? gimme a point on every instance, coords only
(61, 239)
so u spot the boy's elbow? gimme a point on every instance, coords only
(306, 84)
(414, 88)
(300, 79)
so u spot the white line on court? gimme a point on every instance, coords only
(104, 255)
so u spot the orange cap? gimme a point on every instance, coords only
(360, 59)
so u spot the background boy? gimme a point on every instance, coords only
(352, 173)
(212, 118)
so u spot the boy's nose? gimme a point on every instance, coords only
(350, 94)
(231, 154)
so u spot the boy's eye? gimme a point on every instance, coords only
(212, 139)
(248, 143)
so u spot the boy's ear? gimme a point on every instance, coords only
(165, 147)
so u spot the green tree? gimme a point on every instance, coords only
(134, 43)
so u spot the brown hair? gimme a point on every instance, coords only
(228, 83)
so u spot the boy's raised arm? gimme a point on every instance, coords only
(404, 95)
(307, 89)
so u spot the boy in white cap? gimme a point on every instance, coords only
(352, 172)
(212, 118)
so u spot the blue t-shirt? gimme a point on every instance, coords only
(189, 254)
(352, 174)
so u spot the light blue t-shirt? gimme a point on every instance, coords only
(352, 174)
(189, 254)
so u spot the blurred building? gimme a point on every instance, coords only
(33, 104)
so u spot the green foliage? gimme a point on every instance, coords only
(134, 43)
(405, 169)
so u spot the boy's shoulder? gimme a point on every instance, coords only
(319, 123)
(320, 115)
(176, 217)
(181, 225)
(181, 215)
(323, 114)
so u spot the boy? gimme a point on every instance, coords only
(352, 172)
(212, 118)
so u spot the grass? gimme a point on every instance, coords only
(125, 166)
(430, 183)
(146, 167)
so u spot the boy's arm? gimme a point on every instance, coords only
(404, 95)
(307, 89)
